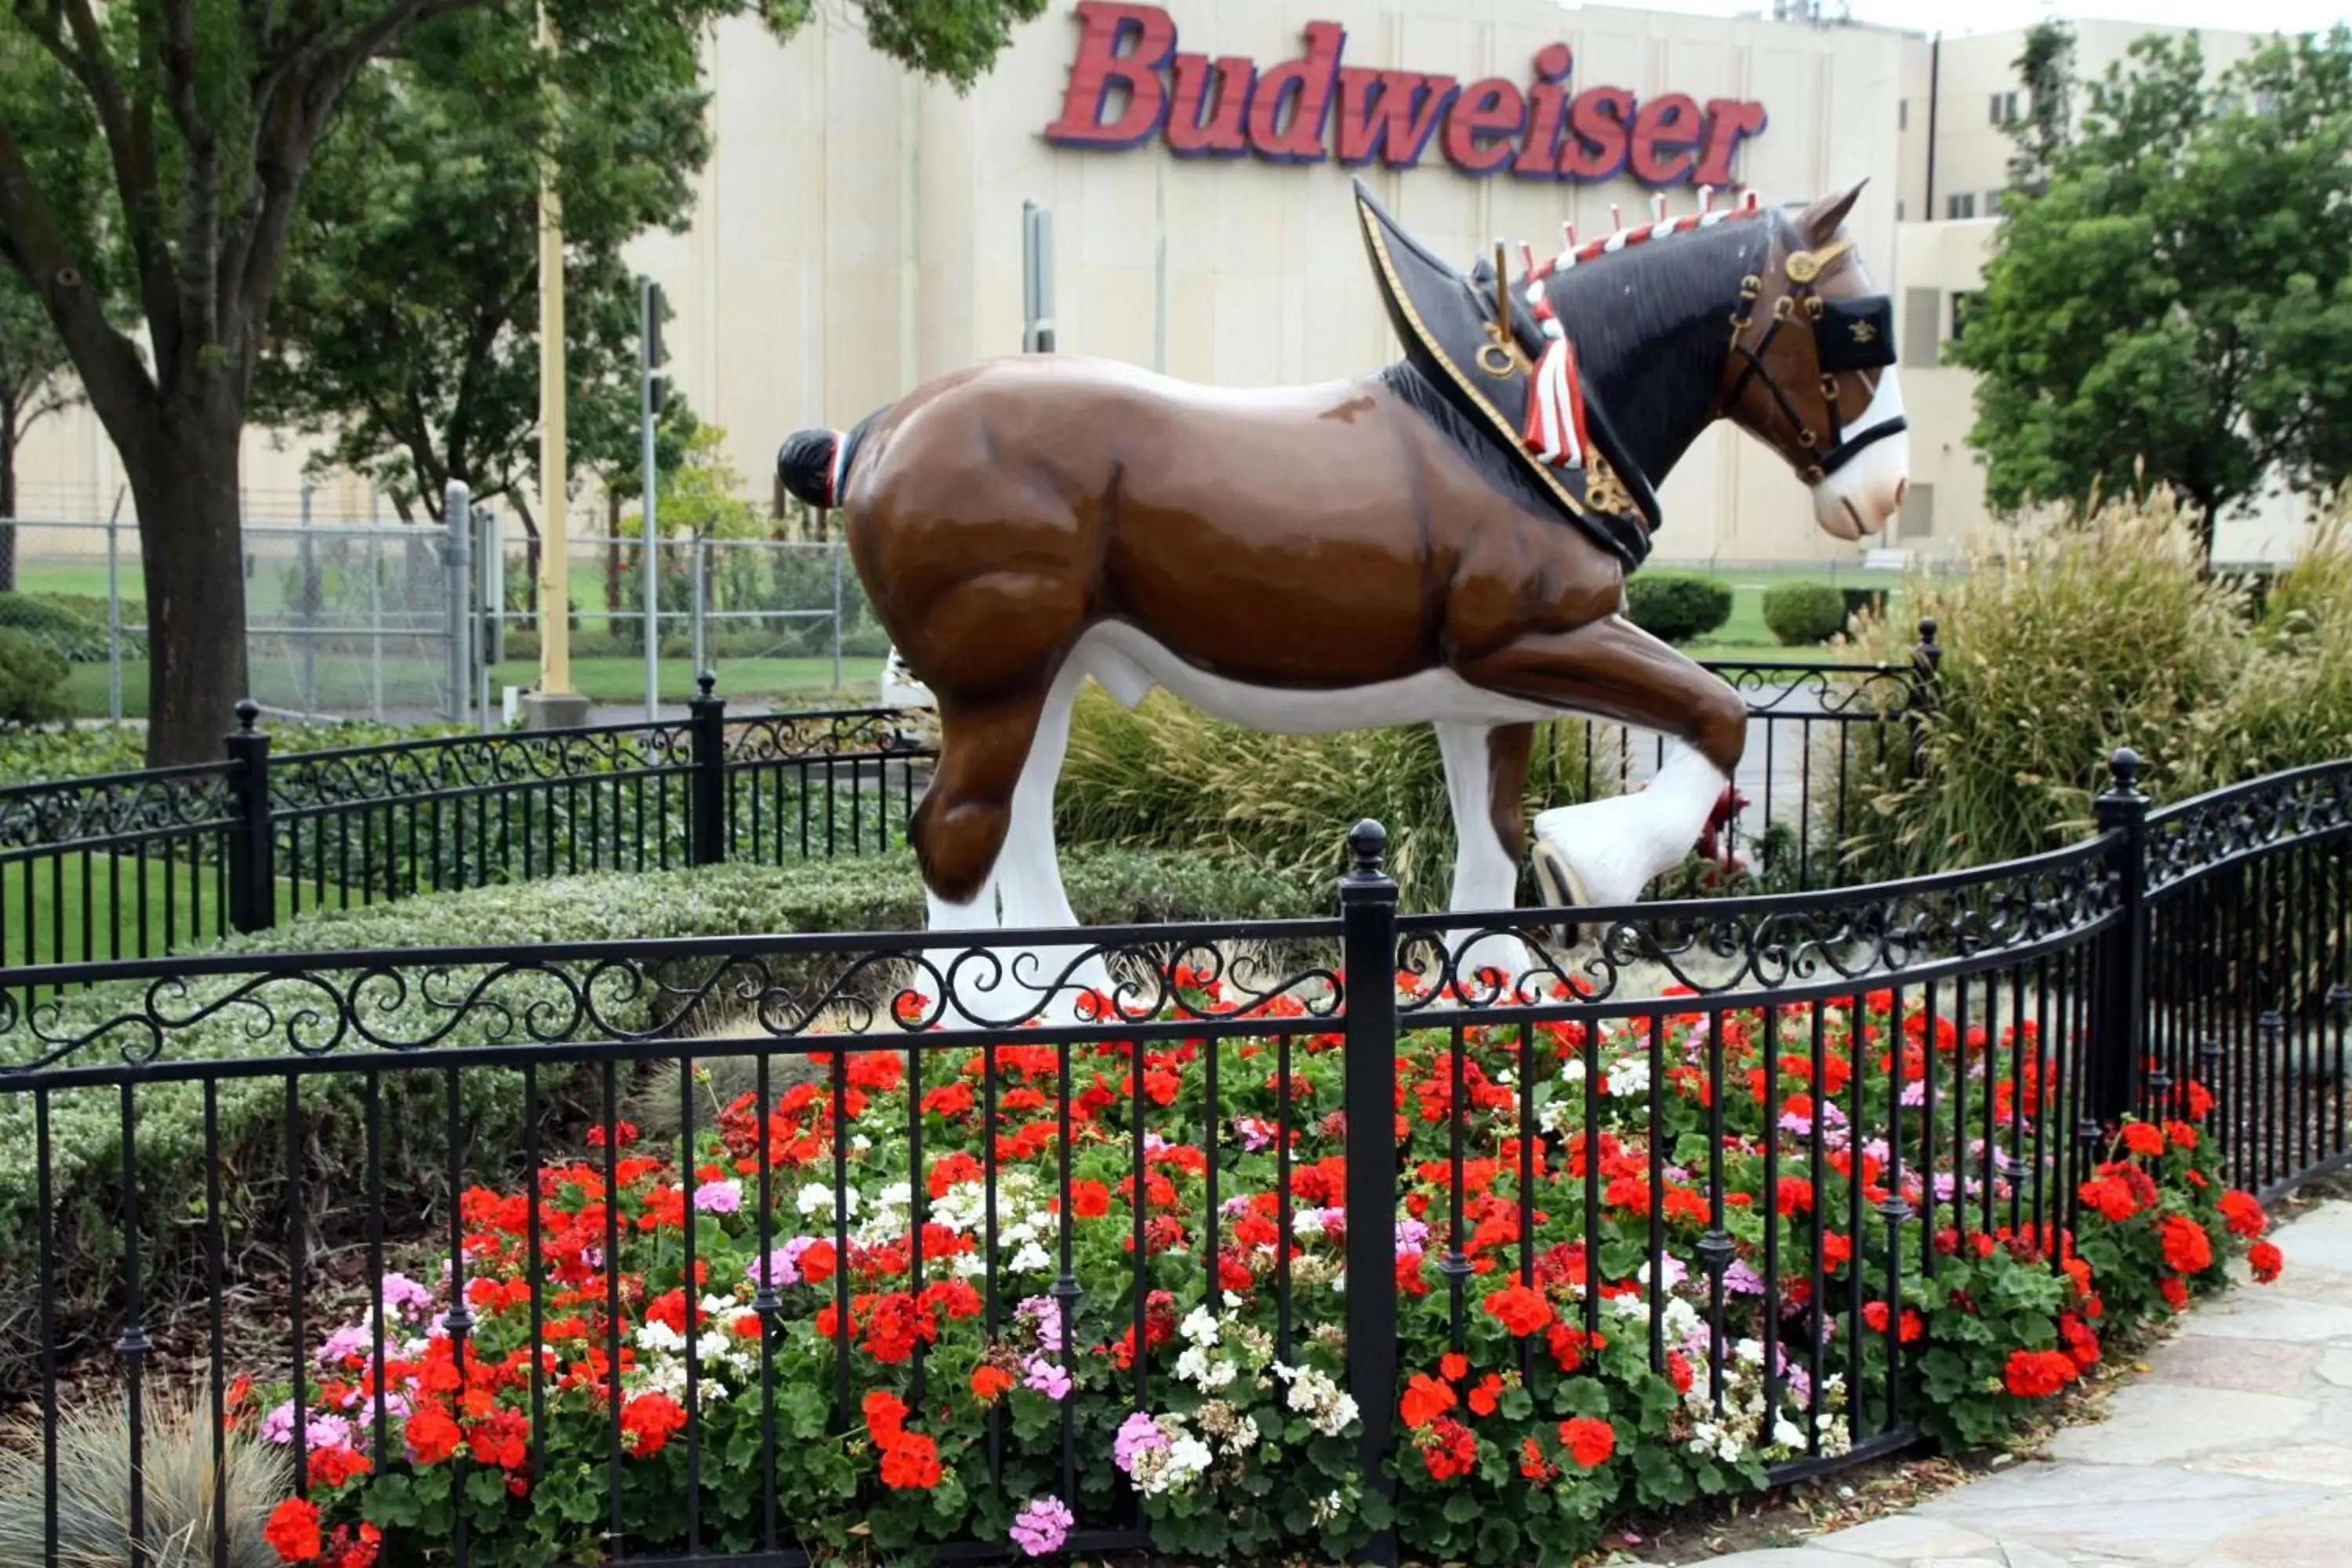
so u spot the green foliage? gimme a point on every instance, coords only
(61, 629)
(87, 750)
(407, 327)
(32, 682)
(2045, 67)
(175, 1473)
(1676, 606)
(2057, 650)
(1803, 613)
(2174, 307)
(1167, 777)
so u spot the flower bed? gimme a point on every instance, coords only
(1574, 1335)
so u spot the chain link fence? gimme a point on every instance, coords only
(361, 620)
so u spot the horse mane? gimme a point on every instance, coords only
(1651, 325)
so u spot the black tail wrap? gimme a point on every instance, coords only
(805, 464)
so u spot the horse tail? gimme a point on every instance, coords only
(814, 464)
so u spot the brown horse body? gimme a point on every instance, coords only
(1302, 558)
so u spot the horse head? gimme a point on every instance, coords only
(1811, 369)
(1807, 365)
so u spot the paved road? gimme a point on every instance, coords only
(2233, 1451)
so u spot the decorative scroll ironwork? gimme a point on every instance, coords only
(1867, 693)
(797, 737)
(1713, 947)
(123, 805)
(2203, 834)
(318, 1004)
(310, 782)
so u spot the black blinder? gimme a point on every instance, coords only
(1857, 334)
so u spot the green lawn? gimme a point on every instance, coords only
(183, 908)
(346, 686)
(1745, 637)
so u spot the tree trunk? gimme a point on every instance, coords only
(192, 554)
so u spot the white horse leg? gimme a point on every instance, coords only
(1029, 871)
(1485, 874)
(1605, 852)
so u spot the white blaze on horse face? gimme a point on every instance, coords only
(1864, 495)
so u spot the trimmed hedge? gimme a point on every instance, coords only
(32, 682)
(881, 893)
(1676, 606)
(1804, 613)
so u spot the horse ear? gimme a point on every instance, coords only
(1820, 221)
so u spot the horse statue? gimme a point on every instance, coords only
(1444, 540)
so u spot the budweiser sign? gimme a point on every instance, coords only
(1130, 84)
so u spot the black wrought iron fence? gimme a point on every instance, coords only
(745, 1250)
(142, 864)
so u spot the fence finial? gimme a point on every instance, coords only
(2125, 767)
(248, 712)
(1367, 841)
(705, 683)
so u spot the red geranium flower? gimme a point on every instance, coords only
(1520, 1310)
(1588, 1441)
(1483, 1397)
(647, 1421)
(2186, 1248)
(433, 1436)
(2265, 1260)
(2032, 1374)
(910, 1463)
(2139, 1138)
(1454, 1366)
(293, 1530)
(988, 1382)
(2243, 1211)
(1454, 1453)
(1425, 1399)
(2175, 1294)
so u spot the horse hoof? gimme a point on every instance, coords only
(1562, 888)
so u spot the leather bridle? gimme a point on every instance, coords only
(1860, 340)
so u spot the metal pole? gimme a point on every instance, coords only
(375, 622)
(697, 628)
(648, 403)
(456, 511)
(114, 614)
(486, 651)
(836, 615)
(554, 486)
(1037, 278)
(309, 608)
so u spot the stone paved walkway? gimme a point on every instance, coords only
(2233, 1450)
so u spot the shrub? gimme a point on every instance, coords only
(1676, 606)
(2101, 633)
(94, 1474)
(72, 636)
(1168, 776)
(87, 750)
(32, 683)
(1804, 613)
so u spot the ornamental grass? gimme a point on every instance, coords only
(927, 1382)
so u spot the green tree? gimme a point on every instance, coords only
(2174, 307)
(2045, 67)
(407, 328)
(208, 115)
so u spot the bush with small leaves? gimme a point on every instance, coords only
(1801, 613)
(32, 682)
(1676, 606)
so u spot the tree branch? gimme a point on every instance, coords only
(70, 31)
(200, 235)
(111, 371)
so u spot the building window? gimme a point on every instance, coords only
(1922, 309)
(1993, 204)
(1960, 204)
(1917, 520)
(1963, 306)
(1898, 214)
(1902, 114)
(2004, 107)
